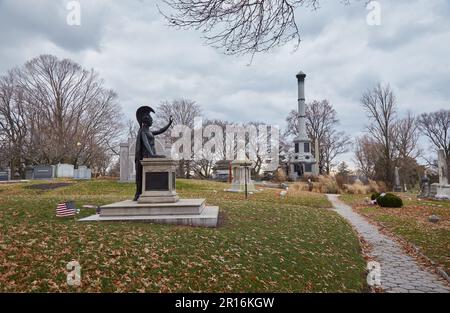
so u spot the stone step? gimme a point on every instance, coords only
(133, 208)
(207, 218)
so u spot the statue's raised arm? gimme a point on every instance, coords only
(164, 129)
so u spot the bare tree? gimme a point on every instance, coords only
(13, 123)
(132, 128)
(183, 111)
(334, 143)
(380, 106)
(367, 152)
(239, 27)
(66, 113)
(436, 127)
(406, 137)
(203, 168)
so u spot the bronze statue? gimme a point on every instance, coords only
(145, 143)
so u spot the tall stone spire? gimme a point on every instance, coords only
(303, 135)
(302, 161)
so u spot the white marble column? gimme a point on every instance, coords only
(124, 162)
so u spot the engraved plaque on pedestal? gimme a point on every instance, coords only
(158, 181)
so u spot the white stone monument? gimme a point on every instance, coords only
(64, 170)
(240, 171)
(82, 172)
(443, 188)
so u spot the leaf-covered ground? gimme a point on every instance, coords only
(411, 223)
(263, 244)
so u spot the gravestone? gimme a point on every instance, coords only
(5, 174)
(397, 186)
(443, 188)
(43, 172)
(425, 187)
(29, 170)
(64, 170)
(82, 172)
(241, 175)
(221, 171)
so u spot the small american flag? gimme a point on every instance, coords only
(65, 209)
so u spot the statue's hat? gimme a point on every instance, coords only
(142, 111)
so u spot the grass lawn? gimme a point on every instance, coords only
(264, 244)
(411, 223)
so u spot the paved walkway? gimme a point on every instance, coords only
(399, 271)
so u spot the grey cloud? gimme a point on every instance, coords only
(128, 43)
(46, 19)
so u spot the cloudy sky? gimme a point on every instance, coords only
(146, 62)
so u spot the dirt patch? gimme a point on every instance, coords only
(48, 186)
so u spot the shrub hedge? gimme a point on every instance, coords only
(390, 200)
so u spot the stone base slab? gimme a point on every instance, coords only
(145, 198)
(443, 192)
(208, 217)
(133, 208)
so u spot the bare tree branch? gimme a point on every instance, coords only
(240, 26)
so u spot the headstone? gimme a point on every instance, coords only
(43, 172)
(397, 186)
(434, 218)
(82, 172)
(241, 175)
(433, 190)
(425, 187)
(5, 174)
(443, 189)
(29, 170)
(65, 170)
(221, 170)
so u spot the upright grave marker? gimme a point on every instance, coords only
(443, 188)
(5, 174)
(43, 172)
